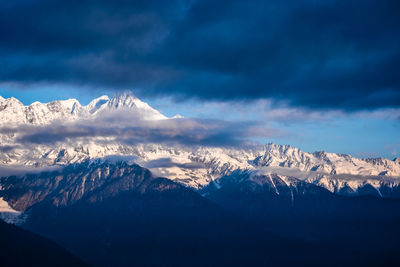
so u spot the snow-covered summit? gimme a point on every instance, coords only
(128, 100)
(13, 112)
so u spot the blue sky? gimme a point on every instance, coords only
(322, 75)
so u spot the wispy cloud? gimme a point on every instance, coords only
(274, 112)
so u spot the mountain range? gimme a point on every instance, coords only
(112, 202)
(193, 166)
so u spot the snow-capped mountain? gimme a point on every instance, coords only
(13, 112)
(193, 166)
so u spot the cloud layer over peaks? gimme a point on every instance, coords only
(121, 127)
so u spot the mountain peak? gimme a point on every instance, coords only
(11, 106)
(128, 101)
(282, 149)
(12, 100)
(125, 99)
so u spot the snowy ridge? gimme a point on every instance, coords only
(332, 163)
(282, 184)
(196, 166)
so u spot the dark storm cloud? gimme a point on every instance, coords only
(317, 54)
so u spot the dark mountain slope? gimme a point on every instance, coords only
(366, 225)
(19, 247)
(172, 227)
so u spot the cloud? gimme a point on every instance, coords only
(167, 163)
(7, 148)
(123, 127)
(18, 169)
(314, 54)
(278, 113)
